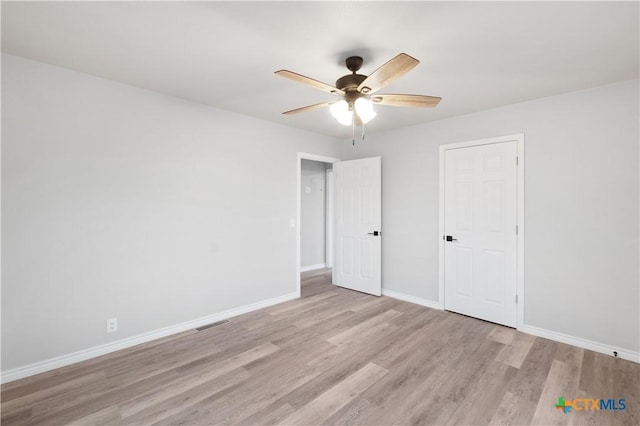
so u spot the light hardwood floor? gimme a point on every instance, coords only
(332, 357)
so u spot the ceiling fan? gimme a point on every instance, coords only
(358, 91)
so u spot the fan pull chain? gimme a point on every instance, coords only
(353, 132)
(362, 131)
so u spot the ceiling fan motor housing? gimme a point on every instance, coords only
(350, 82)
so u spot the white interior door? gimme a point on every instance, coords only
(358, 215)
(480, 217)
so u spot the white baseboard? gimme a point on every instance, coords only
(536, 331)
(411, 299)
(580, 342)
(312, 267)
(72, 358)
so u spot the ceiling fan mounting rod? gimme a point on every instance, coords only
(350, 82)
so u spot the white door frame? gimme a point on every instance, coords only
(304, 156)
(328, 223)
(519, 138)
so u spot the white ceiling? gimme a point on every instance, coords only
(475, 55)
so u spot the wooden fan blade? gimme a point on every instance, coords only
(388, 72)
(309, 81)
(416, 101)
(309, 108)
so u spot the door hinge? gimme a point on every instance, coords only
(516, 299)
(516, 160)
(516, 229)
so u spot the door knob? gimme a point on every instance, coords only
(450, 238)
(374, 233)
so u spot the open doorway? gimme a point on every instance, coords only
(315, 223)
(315, 215)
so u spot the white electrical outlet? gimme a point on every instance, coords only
(112, 325)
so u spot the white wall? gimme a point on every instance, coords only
(118, 201)
(581, 207)
(312, 213)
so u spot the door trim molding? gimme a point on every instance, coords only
(304, 156)
(519, 138)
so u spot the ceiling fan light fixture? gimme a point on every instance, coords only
(364, 109)
(341, 112)
(358, 91)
